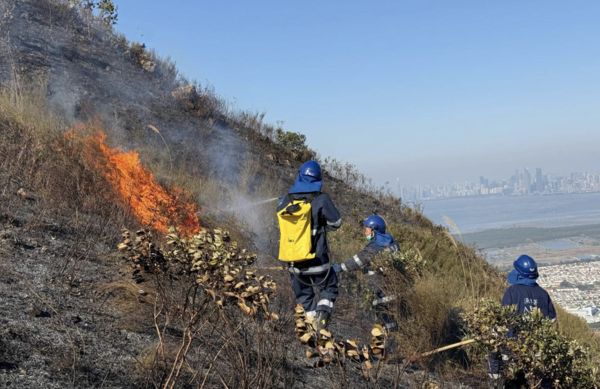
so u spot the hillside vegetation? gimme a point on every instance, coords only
(75, 99)
(500, 238)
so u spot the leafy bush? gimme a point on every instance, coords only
(537, 348)
(107, 10)
(292, 141)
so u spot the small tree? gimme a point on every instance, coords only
(293, 141)
(107, 10)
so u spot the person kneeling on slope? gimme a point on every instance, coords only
(378, 241)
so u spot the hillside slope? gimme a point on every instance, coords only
(76, 314)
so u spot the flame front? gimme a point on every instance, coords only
(151, 203)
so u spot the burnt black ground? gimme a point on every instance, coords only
(64, 325)
(57, 326)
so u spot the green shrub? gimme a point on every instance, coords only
(107, 10)
(292, 141)
(537, 347)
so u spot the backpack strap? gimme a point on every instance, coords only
(308, 197)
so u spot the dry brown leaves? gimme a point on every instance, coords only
(221, 268)
(325, 349)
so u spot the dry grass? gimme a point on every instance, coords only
(133, 302)
(36, 155)
(428, 307)
(574, 327)
(202, 345)
(26, 108)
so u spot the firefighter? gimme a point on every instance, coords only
(524, 293)
(374, 229)
(314, 284)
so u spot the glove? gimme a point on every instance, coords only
(337, 268)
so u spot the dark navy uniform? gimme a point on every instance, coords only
(366, 255)
(528, 297)
(315, 273)
(363, 260)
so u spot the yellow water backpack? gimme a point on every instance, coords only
(296, 232)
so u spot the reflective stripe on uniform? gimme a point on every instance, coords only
(384, 300)
(325, 302)
(335, 224)
(358, 261)
(314, 232)
(310, 270)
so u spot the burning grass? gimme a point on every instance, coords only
(152, 204)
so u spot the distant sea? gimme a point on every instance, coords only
(472, 214)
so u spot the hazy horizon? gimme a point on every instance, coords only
(423, 92)
(450, 170)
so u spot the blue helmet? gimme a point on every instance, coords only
(311, 169)
(526, 267)
(375, 222)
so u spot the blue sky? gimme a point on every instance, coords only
(420, 91)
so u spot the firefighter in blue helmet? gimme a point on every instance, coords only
(524, 292)
(374, 229)
(526, 295)
(315, 285)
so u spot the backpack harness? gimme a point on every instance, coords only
(297, 238)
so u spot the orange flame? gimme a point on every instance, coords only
(150, 202)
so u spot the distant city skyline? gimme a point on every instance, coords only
(412, 174)
(456, 168)
(523, 181)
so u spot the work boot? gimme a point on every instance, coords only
(495, 381)
(389, 324)
(322, 320)
(390, 352)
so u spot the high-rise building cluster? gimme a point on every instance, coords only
(523, 182)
